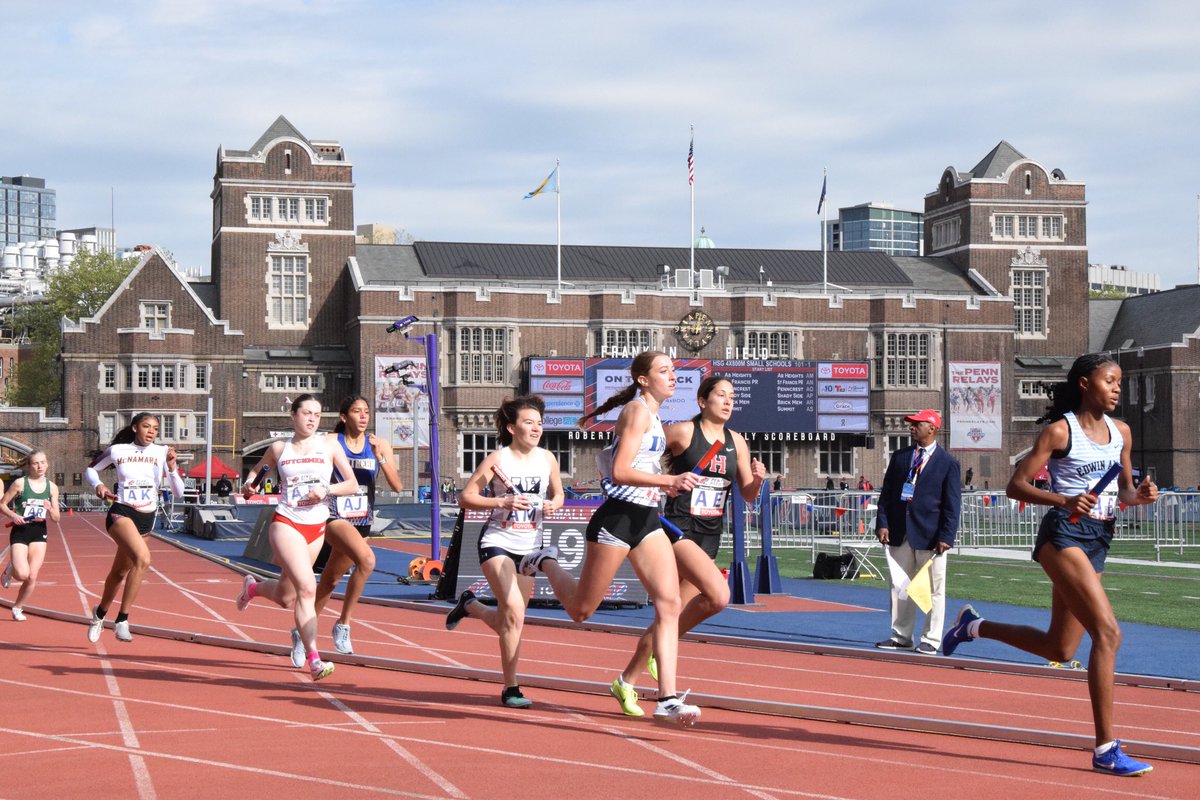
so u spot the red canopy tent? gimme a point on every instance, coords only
(218, 469)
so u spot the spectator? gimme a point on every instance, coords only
(224, 488)
(778, 485)
(829, 484)
(919, 505)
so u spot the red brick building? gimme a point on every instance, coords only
(295, 306)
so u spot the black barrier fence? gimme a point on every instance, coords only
(564, 529)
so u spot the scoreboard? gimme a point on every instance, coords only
(776, 396)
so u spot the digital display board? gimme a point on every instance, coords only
(776, 396)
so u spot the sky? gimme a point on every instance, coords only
(450, 112)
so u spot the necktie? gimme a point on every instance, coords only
(918, 460)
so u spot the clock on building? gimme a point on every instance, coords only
(695, 330)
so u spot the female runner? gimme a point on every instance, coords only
(348, 528)
(1079, 445)
(304, 464)
(525, 485)
(140, 466)
(34, 499)
(627, 524)
(700, 516)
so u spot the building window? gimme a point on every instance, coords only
(156, 376)
(475, 447)
(903, 360)
(1002, 226)
(1032, 389)
(200, 430)
(768, 344)
(1029, 301)
(480, 355)
(282, 381)
(623, 343)
(156, 316)
(143, 376)
(128, 370)
(770, 454)
(559, 445)
(168, 376)
(946, 233)
(1047, 227)
(168, 425)
(290, 209)
(897, 441)
(108, 428)
(287, 294)
(837, 457)
(201, 376)
(110, 376)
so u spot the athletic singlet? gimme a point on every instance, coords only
(518, 531)
(1085, 463)
(139, 474)
(647, 459)
(703, 509)
(30, 504)
(358, 508)
(298, 475)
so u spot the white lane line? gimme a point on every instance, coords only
(420, 766)
(359, 787)
(137, 763)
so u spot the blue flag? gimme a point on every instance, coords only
(821, 202)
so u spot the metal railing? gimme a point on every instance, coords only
(989, 520)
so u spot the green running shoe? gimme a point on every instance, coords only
(652, 667)
(627, 696)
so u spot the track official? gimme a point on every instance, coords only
(919, 507)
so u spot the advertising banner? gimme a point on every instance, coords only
(401, 400)
(975, 409)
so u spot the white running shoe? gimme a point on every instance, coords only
(244, 598)
(6, 576)
(532, 562)
(122, 631)
(341, 639)
(320, 669)
(18, 614)
(298, 654)
(677, 711)
(95, 626)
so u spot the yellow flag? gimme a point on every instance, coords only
(920, 588)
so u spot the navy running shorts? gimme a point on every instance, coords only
(1092, 536)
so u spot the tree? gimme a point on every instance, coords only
(74, 292)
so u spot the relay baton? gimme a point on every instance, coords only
(502, 476)
(1101, 485)
(709, 456)
(258, 479)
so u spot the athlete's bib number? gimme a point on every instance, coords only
(1106, 505)
(299, 487)
(35, 510)
(355, 506)
(708, 501)
(138, 494)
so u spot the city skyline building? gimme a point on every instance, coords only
(879, 227)
(28, 209)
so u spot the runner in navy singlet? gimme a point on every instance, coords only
(1080, 444)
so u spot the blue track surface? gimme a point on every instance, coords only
(1147, 649)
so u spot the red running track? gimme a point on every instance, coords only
(160, 717)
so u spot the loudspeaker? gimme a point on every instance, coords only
(565, 530)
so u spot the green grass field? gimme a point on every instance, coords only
(1146, 592)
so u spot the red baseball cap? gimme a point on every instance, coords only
(926, 415)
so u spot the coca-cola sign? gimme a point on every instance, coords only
(548, 385)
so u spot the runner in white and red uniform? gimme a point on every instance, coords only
(141, 466)
(304, 465)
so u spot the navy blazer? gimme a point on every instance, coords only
(932, 515)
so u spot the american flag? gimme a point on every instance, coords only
(692, 161)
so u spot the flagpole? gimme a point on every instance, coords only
(692, 219)
(558, 204)
(824, 235)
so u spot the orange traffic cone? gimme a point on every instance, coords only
(70, 512)
(862, 529)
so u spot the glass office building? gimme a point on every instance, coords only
(27, 210)
(879, 227)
